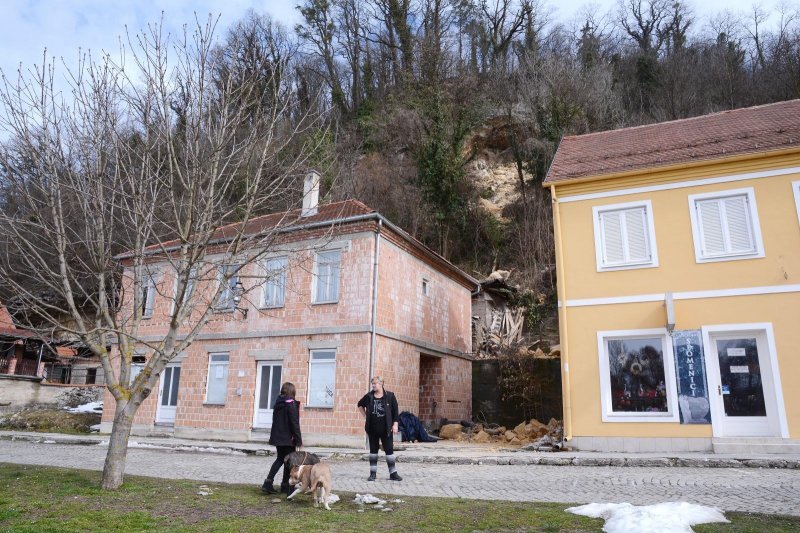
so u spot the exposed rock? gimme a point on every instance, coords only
(515, 441)
(481, 437)
(510, 435)
(451, 431)
(521, 429)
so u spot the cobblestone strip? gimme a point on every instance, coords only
(732, 489)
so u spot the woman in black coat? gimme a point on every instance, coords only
(285, 436)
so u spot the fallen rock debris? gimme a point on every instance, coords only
(531, 435)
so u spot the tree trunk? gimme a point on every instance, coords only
(114, 467)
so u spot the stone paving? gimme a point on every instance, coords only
(775, 491)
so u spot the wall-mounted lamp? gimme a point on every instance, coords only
(238, 291)
(669, 306)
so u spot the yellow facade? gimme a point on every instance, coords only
(762, 293)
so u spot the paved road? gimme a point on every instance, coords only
(775, 491)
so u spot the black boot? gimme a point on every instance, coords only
(286, 489)
(394, 476)
(267, 487)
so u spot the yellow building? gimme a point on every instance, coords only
(678, 255)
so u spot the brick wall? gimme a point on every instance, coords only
(237, 414)
(441, 317)
(402, 364)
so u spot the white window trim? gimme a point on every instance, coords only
(756, 225)
(208, 377)
(426, 287)
(669, 377)
(598, 236)
(315, 277)
(186, 295)
(231, 308)
(308, 381)
(796, 192)
(263, 264)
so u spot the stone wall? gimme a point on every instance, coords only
(487, 395)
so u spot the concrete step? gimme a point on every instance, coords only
(755, 445)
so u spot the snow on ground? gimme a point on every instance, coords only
(669, 517)
(91, 407)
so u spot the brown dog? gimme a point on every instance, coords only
(312, 478)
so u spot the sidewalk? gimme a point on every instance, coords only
(442, 452)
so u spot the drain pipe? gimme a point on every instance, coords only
(566, 392)
(374, 318)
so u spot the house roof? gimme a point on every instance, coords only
(740, 131)
(285, 221)
(332, 213)
(6, 322)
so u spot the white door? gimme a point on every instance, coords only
(168, 394)
(741, 381)
(268, 387)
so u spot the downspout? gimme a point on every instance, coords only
(39, 361)
(374, 318)
(561, 285)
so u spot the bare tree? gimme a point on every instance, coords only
(144, 172)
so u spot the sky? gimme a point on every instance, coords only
(27, 27)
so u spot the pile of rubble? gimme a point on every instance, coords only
(532, 436)
(541, 350)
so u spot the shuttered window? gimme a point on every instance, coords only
(625, 236)
(725, 226)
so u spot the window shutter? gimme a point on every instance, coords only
(613, 249)
(636, 232)
(738, 219)
(711, 233)
(725, 226)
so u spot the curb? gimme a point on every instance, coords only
(552, 459)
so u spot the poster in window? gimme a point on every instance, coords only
(637, 379)
(690, 370)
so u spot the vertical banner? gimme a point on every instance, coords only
(690, 373)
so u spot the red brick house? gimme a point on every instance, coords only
(325, 322)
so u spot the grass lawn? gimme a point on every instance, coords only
(56, 499)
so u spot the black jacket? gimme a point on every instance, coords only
(286, 423)
(390, 408)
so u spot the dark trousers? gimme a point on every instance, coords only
(386, 441)
(283, 451)
(388, 447)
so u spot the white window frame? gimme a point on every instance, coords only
(138, 361)
(796, 192)
(599, 243)
(315, 284)
(755, 226)
(226, 366)
(149, 284)
(271, 279)
(231, 307)
(426, 287)
(669, 376)
(193, 280)
(326, 362)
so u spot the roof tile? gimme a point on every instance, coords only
(739, 131)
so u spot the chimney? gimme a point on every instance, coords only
(310, 194)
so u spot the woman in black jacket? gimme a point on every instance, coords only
(285, 436)
(379, 406)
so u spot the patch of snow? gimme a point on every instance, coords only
(668, 517)
(95, 428)
(91, 407)
(332, 498)
(367, 499)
